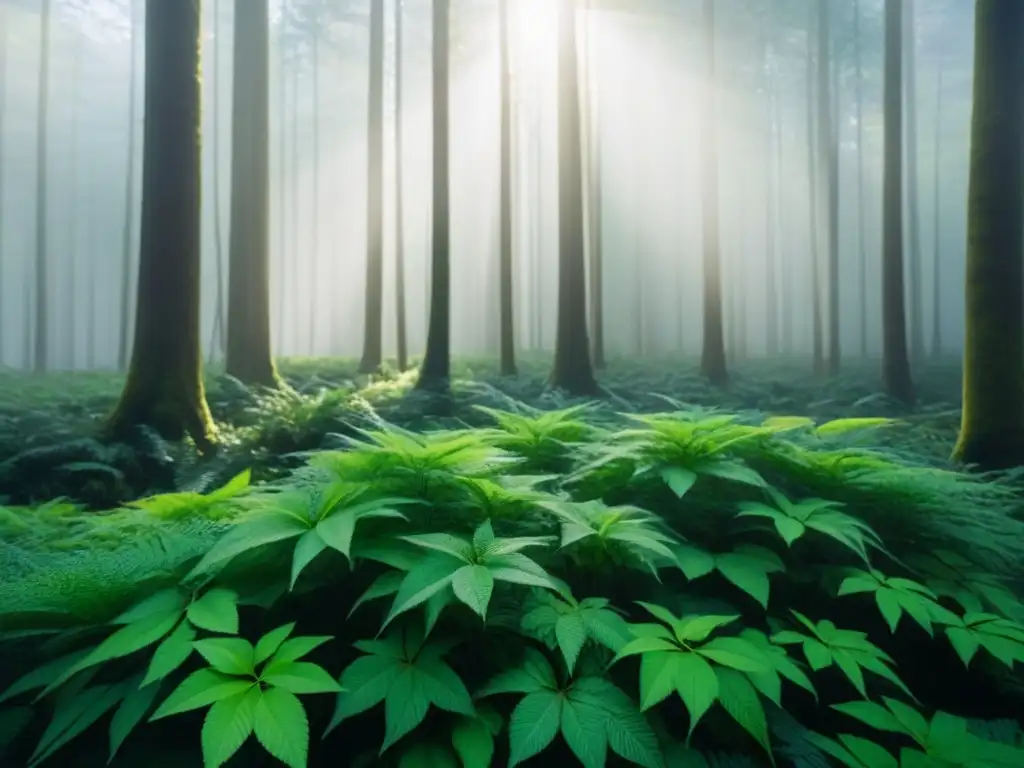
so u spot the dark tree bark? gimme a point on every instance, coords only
(895, 363)
(401, 328)
(712, 362)
(572, 370)
(916, 288)
(127, 226)
(164, 387)
(828, 150)
(862, 261)
(373, 320)
(992, 422)
(217, 340)
(936, 350)
(507, 328)
(41, 348)
(435, 372)
(248, 355)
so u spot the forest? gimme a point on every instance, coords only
(471, 383)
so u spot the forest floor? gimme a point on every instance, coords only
(770, 513)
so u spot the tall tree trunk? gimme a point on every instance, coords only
(913, 200)
(40, 353)
(164, 387)
(95, 250)
(507, 330)
(828, 157)
(537, 233)
(247, 353)
(4, 48)
(992, 422)
(373, 320)
(314, 247)
(436, 369)
(771, 289)
(786, 292)
(282, 186)
(817, 329)
(127, 226)
(712, 363)
(74, 200)
(596, 287)
(572, 370)
(217, 341)
(895, 363)
(401, 326)
(937, 232)
(294, 189)
(862, 256)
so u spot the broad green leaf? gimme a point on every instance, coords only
(162, 603)
(473, 742)
(282, 728)
(74, 715)
(227, 726)
(405, 706)
(534, 724)
(230, 655)
(365, 682)
(658, 675)
(696, 629)
(171, 653)
(301, 677)
(571, 633)
(200, 689)
(130, 712)
(215, 611)
(442, 686)
(385, 584)
(295, 648)
(746, 572)
(693, 562)
(430, 576)
(889, 607)
(337, 531)
(964, 643)
(584, 726)
(309, 545)
(869, 753)
(473, 585)
(875, 715)
(697, 685)
(268, 645)
(247, 535)
(818, 654)
(679, 479)
(735, 653)
(913, 722)
(738, 697)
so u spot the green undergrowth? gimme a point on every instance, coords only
(682, 588)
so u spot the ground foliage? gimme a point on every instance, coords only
(768, 576)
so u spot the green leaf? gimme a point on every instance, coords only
(534, 724)
(295, 648)
(162, 603)
(366, 682)
(735, 653)
(268, 645)
(385, 584)
(658, 675)
(200, 689)
(337, 531)
(473, 585)
(442, 687)
(473, 742)
(964, 643)
(571, 634)
(215, 611)
(282, 728)
(309, 545)
(693, 562)
(250, 534)
(405, 706)
(227, 726)
(679, 479)
(301, 677)
(131, 711)
(230, 655)
(875, 715)
(44, 675)
(171, 653)
(889, 607)
(73, 716)
(738, 697)
(583, 723)
(429, 576)
(747, 573)
(697, 685)
(695, 629)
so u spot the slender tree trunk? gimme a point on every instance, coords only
(217, 341)
(4, 47)
(771, 289)
(280, 279)
(74, 200)
(786, 291)
(992, 421)
(828, 158)
(41, 350)
(314, 247)
(127, 227)
(295, 188)
(862, 261)
(937, 231)
(248, 356)
(507, 331)
(401, 329)
(913, 200)
(713, 364)
(895, 363)
(164, 387)
(596, 287)
(817, 329)
(95, 250)
(436, 369)
(373, 320)
(572, 370)
(537, 221)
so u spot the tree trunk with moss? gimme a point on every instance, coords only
(895, 364)
(373, 352)
(712, 362)
(992, 424)
(164, 387)
(248, 355)
(435, 372)
(572, 370)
